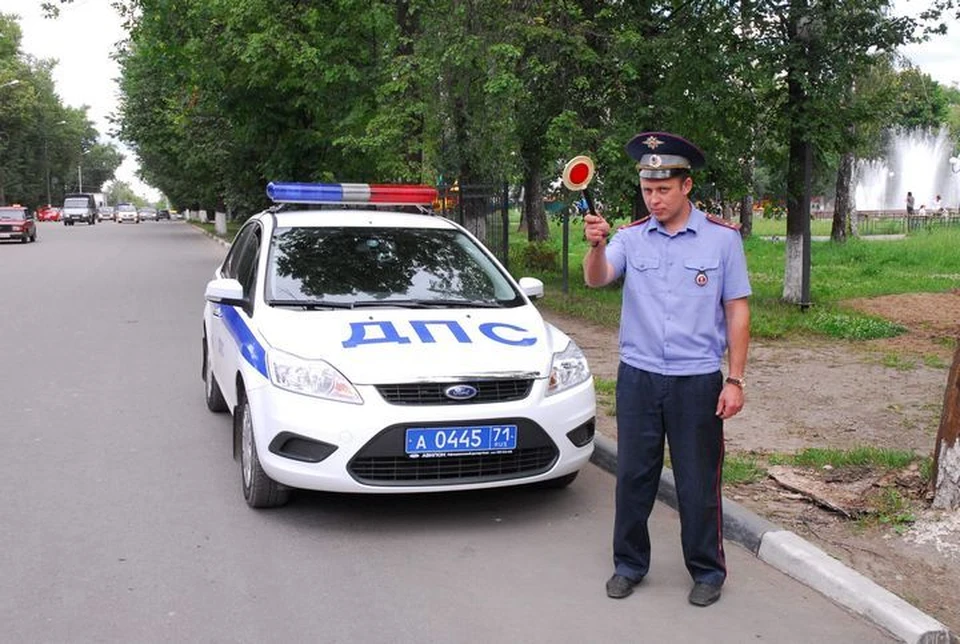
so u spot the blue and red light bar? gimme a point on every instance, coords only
(351, 193)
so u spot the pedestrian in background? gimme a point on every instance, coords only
(685, 304)
(910, 203)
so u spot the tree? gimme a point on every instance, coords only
(41, 141)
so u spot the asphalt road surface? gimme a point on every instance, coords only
(122, 520)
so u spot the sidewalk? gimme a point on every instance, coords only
(782, 549)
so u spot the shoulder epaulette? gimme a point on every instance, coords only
(634, 223)
(722, 222)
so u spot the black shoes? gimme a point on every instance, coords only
(619, 586)
(703, 594)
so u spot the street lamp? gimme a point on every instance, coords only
(46, 157)
(80, 170)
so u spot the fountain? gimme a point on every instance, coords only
(916, 161)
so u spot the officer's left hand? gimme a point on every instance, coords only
(730, 402)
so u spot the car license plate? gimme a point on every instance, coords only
(437, 441)
(7, 235)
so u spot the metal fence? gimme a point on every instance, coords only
(894, 222)
(483, 209)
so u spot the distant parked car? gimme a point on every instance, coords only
(163, 214)
(127, 212)
(148, 214)
(48, 213)
(17, 223)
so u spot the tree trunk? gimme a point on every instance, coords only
(639, 205)
(793, 269)
(746, 202)
(798, 175)
(841, 206)
(946, 455)
(746, 215)
(533, 205)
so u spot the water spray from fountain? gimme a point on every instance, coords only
(916, 161)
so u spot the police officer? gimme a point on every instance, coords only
(685, 304)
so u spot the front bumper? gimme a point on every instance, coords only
(555, 438)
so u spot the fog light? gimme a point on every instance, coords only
(583, 434)
(300, 448)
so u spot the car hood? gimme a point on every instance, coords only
(406, 345)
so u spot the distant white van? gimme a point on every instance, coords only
(80, 207)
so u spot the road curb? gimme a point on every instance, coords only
(791, 554)
(220, 240)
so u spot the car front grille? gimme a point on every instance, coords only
(383, 461)
(431, 393)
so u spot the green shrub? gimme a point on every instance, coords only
(539, 256)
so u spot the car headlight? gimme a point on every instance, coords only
(310, 377)
(569, 369)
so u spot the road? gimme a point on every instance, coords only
(121, 517)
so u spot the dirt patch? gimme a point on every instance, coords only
(834, 394)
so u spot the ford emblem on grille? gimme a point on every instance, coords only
(460, 392)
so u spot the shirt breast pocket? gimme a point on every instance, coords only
(645, 272)
(701, 276)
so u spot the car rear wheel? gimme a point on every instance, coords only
(259, 490)
(211, 388)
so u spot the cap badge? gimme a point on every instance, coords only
(652, 142)
(655, 161)
(701, 278)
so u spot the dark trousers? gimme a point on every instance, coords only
(682, 409)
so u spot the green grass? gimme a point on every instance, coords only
(740, 468)
(857, 457)
(924, 262)
(606, 394)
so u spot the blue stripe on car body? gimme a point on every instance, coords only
(253, 352)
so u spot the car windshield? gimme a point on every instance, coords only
(76, 203)
(352, 267)
(126, 208)
(13, 213)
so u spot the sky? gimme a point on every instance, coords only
(82, 38)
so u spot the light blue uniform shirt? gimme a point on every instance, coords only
(672, 321)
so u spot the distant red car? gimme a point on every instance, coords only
(16, 222)
(48, 213)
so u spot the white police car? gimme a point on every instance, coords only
(361, 350)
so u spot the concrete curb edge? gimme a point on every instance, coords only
(798, 558)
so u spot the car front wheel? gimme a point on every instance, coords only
(259, 490)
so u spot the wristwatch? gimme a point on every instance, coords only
(740, 382)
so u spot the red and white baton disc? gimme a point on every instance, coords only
(578, 173)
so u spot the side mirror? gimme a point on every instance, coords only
(532, 287)
(225, 291)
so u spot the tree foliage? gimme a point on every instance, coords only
(45, 147)
(222, 96)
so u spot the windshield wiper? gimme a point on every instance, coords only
(310, 305)
(427, 304)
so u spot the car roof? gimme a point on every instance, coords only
(360, 217)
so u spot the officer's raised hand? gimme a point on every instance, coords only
(595, 229)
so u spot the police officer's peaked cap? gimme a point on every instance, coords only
(661, 155)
